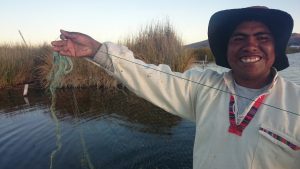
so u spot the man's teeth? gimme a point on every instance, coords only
(250, 59)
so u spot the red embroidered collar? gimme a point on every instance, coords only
(238, 129)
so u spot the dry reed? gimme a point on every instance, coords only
(158, 43)
(84, 74)
(16, 65)
(155, 43)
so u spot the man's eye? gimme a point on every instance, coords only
(264, 38)
(237, 38)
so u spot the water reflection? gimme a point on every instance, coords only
(12, 100)
(116, 130)
(125, 109)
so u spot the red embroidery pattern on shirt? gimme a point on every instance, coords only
(281, 139)
(238, 129)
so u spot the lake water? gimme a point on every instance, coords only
(96, 129)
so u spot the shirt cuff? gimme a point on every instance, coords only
(103, 58)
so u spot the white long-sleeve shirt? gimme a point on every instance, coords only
(270, 140)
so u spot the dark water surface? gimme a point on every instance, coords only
(98, 129)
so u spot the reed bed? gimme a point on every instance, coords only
(22, 64)
(156, 43)
(16, 65)
(84, 74)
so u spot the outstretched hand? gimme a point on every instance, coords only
(75, 44)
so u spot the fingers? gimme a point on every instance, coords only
(65, 53)
(59, 49)
(57, 45)
(64, 47)
(63, 50)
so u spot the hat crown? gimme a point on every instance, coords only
(259, 7)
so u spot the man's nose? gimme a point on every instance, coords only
(251, 44)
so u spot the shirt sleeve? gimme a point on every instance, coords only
(172, 91)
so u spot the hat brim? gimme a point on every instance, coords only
(223, 23)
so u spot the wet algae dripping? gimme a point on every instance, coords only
(61, 66)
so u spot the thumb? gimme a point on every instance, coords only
(67, 34)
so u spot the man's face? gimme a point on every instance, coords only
(251, 51)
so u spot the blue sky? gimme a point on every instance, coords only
(113, 20)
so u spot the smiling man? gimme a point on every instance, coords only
(247, 118)
(251, 54)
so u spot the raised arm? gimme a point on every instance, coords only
(157, 84)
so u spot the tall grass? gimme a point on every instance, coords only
(158, 43)
(16, 64)
(20, 64)
(155, 43)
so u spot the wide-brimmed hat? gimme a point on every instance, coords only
(223, 23)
